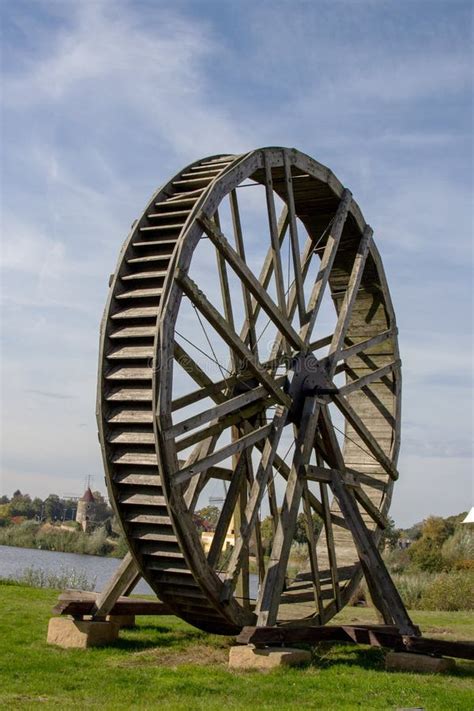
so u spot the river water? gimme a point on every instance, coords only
(13, 561)
(97, 569)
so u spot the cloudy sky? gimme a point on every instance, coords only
(104, 100)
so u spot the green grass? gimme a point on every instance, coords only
(167, 664)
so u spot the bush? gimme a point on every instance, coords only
(397, 560)
(450, 592)
(458, 550)
(426, 551)
(412, 587)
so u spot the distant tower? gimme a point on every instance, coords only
(85, 510)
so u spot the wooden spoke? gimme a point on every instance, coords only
(229, 336)
(374, 513)
(269, 599)
(366, 436)
(231, 405)
(331, 548)
(252, 283)
(218, 427)
(356, 348)
(275, 242)
(350, 476)
(251, 337)
(350, 296)
(327, 261)
(370, 378)
(313, 557)
(235, 447)
(295, 249)
(226, 293)
(267, 270)
(227, 512)
(256, 494)
(191, 367)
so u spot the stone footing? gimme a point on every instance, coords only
(80, 634)
(122, 620)
(407, 661)
(250, 657)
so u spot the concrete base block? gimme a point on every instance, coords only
(122, 620)
(80, 634)
(249, 657)
(419, 663)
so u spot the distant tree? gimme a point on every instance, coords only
(300, 530)
(37, 505)
(21, 505)
(102, 511)
(391, 535)
(4, 500)
(210, 514)
(53, 508)
(426, 551)
(5, 514)
(266, 531)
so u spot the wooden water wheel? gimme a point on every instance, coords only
(249, 344)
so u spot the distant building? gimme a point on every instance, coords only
(470, 517)
(86, 510)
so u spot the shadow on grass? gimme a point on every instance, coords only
(332, 654)
(161, 637)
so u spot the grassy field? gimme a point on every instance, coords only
(167, 664)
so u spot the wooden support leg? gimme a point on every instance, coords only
(370, 555)
(383, 613)
(123, 579)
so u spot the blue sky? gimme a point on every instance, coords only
(103, 101)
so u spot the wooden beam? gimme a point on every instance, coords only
(229, 336)
(350, 296)
(370, 378)
(366, 436)
(327, 262)
(274, 312)
(295, 248)
(352, 350)
(257, 491)
(234, 447)
(363, 539)
(275, 242)
(124, 576)
(229, 406)
(269, 598)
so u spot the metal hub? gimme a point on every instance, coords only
(307, 377)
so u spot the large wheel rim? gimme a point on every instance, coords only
(153, 491)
